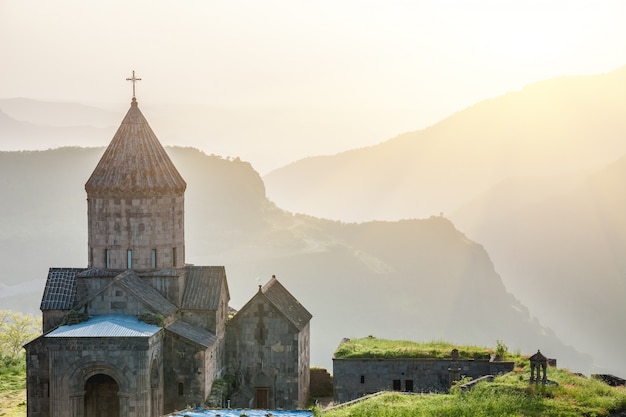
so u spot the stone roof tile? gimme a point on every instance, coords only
(135, 163)
(146, 293)
(193, 333)
(286, 303)
(203, 287)
(60, 290)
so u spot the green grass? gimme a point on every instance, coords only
(12, 373)
(13, 387)
(372, 347)
(508, 395)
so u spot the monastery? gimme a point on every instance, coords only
(139, 332)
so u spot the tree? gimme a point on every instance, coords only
(16, 329)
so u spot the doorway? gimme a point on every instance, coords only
(101, 399)
(261, 398)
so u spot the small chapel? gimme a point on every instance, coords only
(139, 332)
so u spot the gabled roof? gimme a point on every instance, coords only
(135, 163)
(192, 333)
(144, 292)
(203, 287)
(97, 273)
(538, 357)
(131, 282)
(109, 325)
(286, 303)
(60, 291)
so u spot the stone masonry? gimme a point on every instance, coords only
(354, 378)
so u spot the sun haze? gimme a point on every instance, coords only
(390, 66)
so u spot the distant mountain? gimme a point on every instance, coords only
(270, 136)
(531, 175)
(17, 134)
(413, 279)
(58, 114)
(552, 127)
(563, 254)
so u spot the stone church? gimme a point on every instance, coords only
(139, 332)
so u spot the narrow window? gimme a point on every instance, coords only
(397, 385)
(408, 385)
(45, 389)
(129, 259)
(181, 389)
(91, 257)
(174, 260)
(362, 379)
(153, 258)
(107, 258)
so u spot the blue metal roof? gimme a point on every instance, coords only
(109, 325)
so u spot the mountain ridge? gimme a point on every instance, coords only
(414, 279)
(465, 154)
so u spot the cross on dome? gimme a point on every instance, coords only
(133, 79)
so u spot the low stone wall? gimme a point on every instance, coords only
(354, 378)
(609, 379)
(321, 383)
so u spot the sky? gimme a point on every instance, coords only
(387, 65)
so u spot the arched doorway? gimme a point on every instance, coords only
(261, 391)
(101, 399)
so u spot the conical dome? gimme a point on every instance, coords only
(135, 163)
(135, 202)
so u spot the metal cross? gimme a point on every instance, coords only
(134, 80)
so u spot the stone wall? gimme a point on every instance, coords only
(189, 371)
(117, 225)
(304, 366)
(169, 282)
(321, 383)
(37, 379)
(265, 351)
(62, 367)
(354, 378)
(115, 300)
(51, 319)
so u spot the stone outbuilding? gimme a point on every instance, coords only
(268, 347)
(139, 332)
(355, 377)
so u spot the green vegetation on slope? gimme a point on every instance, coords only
(15, 330)
(13, 386)
(372, 347)
(508, 395)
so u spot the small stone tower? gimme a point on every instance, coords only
(135, 200)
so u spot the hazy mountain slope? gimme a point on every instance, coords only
(564, 256)
(16, 134)
(415, 279)
(57, 114)
(548, 128)
(505, 199)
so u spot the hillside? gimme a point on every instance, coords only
(508, 395)
(414, 279)
(551, 127)
(41, 125)
(534, 175)
(577, 262)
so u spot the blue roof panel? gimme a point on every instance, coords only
(109, 325)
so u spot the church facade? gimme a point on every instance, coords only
(138, 332)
